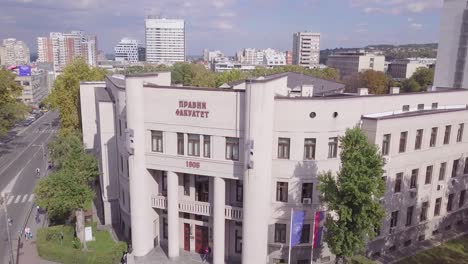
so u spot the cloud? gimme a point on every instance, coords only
(395, 7)
(416, 26)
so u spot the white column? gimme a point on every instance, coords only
(259, 113)
(140, 195)
(173, 213)
(219, 204)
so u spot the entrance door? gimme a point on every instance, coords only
(201, 238)
(187, 237)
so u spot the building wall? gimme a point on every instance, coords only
(165, 40)
(306, 49)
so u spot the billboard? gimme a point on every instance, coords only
(24, 70)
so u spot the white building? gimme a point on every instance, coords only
(127, 50)
(15, 52)
(405, 68)
(210, 56)
(165, 40)
(451, 53)
(187, 167)
(272, 59)
(349, 63)
(306, 49)
(35, 87)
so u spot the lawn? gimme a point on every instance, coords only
(452, 252)
(103, 250)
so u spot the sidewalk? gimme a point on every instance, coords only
(28, 251)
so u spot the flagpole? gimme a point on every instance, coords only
(290, 236)
(313, 238)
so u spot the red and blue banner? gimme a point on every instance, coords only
(298, 218)
(318, 228)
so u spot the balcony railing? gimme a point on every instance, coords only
(199, 208)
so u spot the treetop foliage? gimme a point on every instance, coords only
(11, 110)
(353, 195)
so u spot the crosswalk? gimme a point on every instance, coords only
(20, 198)
(45, 131)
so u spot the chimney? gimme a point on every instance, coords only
(307, 90)
(363, 91)
(394, 90)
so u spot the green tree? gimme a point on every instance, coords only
(202, 77)
(424, 77)
(181, 73)
(230, 76)
(61, 194)
(352, 196)
(66, 93)
(411, 86)
(377, 82)
(11, 110)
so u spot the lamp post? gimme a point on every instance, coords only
(8, 222)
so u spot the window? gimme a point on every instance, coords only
(186, 184)
(193, 145)
(309, 148)
(435, 105)
(307, 190)
(164, 228)
(394, 219)
(232, 148)
(428, 174)
(332, 147)
(164, 183)
(438, 203)
(386, 144)
(448, 129)
(443, 167)
(409, 215)
(433, 141)
(450, 202)
(282, 191)
(403, 136)
(455, 168)
(283, 148)
(238, 242)
(420, 106)
(405, 108)
(414, 178)
(280, 233)
(206, 146)
(121, 164)
(461, 201)
(423, 216)
(398, 179)
(156, 141)
(305, 235)
(460, 132)
(180, 143)
(120, 127)
(239, 191)
(465, 168)
(421, 237)
(419, 136)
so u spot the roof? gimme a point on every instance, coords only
(415, 113)
(296, 80)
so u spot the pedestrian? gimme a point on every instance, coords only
(124, 258)
(206, 251)
(27, 230)
(38, 219)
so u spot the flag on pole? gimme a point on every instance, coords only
(318, 228)
(296, 227)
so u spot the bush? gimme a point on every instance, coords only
(69, 252)
(359, 259)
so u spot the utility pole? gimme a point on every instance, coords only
(8, 222)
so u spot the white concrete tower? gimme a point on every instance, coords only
(140, 202)
(259, 109)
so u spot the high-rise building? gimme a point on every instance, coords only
(289, 58)
(165, 40)
(127, 50)
(14, 52)
(60, 49)
(306, 49)
(452, 56)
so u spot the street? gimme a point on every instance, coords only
(19, 160)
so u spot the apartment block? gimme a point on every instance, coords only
(165, 40)
(14, 52)
(352, 62)
(306, 49)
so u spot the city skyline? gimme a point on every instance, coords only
(236, 24)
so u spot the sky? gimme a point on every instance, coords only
(229, 25)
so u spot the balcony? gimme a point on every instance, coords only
(199, 208)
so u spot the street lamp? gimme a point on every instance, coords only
(8, 222)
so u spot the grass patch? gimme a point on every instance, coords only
(101, 251)
(451, 252)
